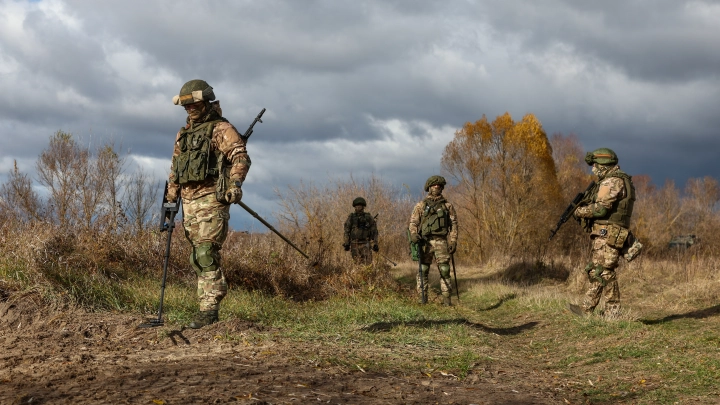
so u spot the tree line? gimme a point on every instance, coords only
(508, 180)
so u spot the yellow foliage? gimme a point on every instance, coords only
(506, 186)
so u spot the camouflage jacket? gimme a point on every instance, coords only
(227, 140)
(609, 192)
(416, 217)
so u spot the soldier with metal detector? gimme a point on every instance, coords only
(209, 165)
(434, 230)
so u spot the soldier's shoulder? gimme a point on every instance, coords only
(224, 125)
(613, 181)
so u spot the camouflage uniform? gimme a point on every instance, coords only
(434, 222)
(606, 216)
(206, 210)
(360, 230)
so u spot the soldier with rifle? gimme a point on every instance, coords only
(434, 231)
(360, 231)
(209, 165)
(604, 211)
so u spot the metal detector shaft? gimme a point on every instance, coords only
(164, 276)
(167, 223)
(386, 258)
(253, 213)
(457, 292)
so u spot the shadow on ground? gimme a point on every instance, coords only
(699, 314)
(388, 326)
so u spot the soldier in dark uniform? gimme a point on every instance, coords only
(360, 233)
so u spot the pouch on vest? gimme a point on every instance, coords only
(434, 219)
(360, 227)
(414, 249)
(616, 236)
(196, 161)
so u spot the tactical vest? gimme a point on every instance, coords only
(621, 211)
(196, 160)
(435, 218)
(361, 226)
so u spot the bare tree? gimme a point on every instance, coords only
(17, 197)
(139, 198)
(61, 167)
(108, 169)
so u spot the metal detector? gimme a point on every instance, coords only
(167, 223)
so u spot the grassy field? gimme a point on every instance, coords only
(509, 324)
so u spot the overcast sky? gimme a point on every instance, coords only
(361, 87)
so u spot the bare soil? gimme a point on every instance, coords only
(52, 356)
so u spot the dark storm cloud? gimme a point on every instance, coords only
(364, 87)
(666, 40)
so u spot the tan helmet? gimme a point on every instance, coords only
(194, 91)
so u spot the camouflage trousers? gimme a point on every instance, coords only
(603, 280)
(437, 248)
(360, 252)
(206, 226)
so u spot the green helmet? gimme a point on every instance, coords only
(194, 91)
(359, 201)
(602, 156)
(433, 180)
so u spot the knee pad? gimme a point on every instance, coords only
(444, 270)
(425, 269)
(205, 257)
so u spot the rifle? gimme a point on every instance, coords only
(238, 184)
(249, 131)
(167, 223)
(253, 213)
(570, 209)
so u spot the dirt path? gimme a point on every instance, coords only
(54, 357)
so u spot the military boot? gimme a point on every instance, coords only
(204, 318)
(447, 302)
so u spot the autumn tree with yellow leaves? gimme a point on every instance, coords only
(504, 185)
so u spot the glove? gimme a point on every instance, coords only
(172, 195)
(452, 247)
(375, 247)
(233, 195)
(347, 247)
(415, 238)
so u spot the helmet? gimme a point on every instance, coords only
(359, 201)
(194, 91)
(602, 156)
(433, 180)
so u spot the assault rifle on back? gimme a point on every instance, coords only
(249, 131)
(570, 209)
